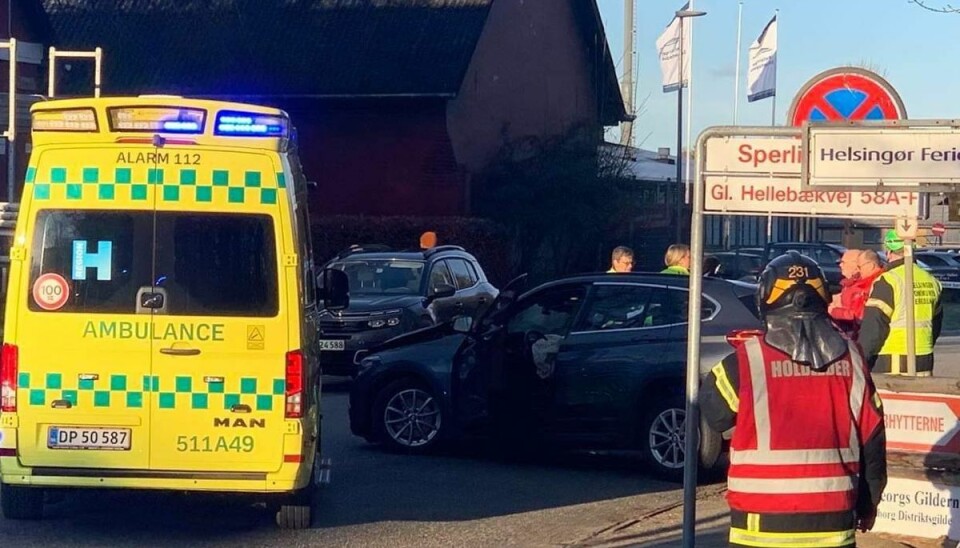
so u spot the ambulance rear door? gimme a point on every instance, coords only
(219, 343)
(83, 351)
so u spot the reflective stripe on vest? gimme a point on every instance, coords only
(923, 309)
(763, 478)
(781, 486)
(792, 540)
(763, 454)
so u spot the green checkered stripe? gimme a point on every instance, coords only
(174, 185)
(180, 392)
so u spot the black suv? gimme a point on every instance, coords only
(591, 361)
(392, 292)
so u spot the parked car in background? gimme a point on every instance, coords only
(738, 265)
(940, 248)
(591, 361)
(826, 255)
(944, 266)
(392, 292)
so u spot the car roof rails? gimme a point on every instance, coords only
(365, 248)
(439, 248)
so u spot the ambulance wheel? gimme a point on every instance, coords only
(296, 512)
(21, 502)
(294, 517)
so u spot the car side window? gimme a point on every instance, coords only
(551, 312)
(440, 275)
(827, 256)
(932, 260)
(474, 270)
(461, 272)
(669, 306)
(616, 307)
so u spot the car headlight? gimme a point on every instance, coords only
(390, 318)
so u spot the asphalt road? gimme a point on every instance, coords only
(462, 497)
(459, 498)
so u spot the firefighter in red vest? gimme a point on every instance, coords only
(808, 455)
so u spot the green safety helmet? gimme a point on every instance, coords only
(892, 242)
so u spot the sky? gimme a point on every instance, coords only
(913, 49)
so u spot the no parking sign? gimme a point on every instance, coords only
(846, 93)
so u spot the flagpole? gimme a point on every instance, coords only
(626, 86)
(727, 221)
(773, 122)
(687, 159)
(679, 155)
(773, 104)
(736, 79)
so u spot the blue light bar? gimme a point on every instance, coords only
(173, 125)
(166, 119)
(250, 124)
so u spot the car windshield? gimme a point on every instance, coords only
(382, 276)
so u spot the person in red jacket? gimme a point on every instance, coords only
(808, 453)
(842, 306)
(847, 308)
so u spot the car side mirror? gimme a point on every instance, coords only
(462, 324)
(335, 289)
(441, 291)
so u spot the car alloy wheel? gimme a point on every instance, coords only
(412, 418)
(666, 438)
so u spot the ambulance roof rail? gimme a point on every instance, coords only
(96, 55)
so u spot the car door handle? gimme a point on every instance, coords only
(61, 404)
(240, 408)
(180, 351)
(483, 300)
(460, 304)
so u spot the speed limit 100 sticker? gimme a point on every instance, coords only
(51, 291)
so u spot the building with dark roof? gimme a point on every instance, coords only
(398, 103)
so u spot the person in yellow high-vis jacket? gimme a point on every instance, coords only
(883, 333)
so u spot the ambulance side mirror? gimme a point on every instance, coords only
(335, 289)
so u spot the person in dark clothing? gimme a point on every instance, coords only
(808, 453)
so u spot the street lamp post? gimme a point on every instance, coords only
(681, 15)
(691, 457)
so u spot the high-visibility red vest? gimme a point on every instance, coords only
(796, 447)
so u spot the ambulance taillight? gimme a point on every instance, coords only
(8, 378)
(294, 381)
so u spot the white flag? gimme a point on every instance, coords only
(762, 75)
(669, 47)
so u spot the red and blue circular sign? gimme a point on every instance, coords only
(846, 93)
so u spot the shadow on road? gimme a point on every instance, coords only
(369, 486)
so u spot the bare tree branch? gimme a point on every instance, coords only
(946, 8)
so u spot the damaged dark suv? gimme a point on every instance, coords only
(393, 292)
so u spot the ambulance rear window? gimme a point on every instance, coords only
(209, 264)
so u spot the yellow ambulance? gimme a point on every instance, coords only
(160, 328)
